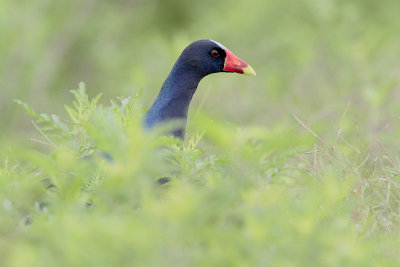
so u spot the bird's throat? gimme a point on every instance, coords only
(173, 101)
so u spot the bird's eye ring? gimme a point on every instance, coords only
(214, 53)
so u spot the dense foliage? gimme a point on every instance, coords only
(298, 166)
(251, 196)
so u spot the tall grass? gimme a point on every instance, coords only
(88, 194)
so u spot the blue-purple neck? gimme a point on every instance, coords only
(172, 103)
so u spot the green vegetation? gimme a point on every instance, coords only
(298, 166)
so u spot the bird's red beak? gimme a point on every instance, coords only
(235, 64)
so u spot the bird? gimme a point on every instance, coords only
(199, 59)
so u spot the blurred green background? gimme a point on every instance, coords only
(264, 191)
(311, 57)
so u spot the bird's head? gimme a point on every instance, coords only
(208, 56)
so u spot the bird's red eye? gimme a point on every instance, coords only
(214, 53)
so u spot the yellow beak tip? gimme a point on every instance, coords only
(249, 71)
